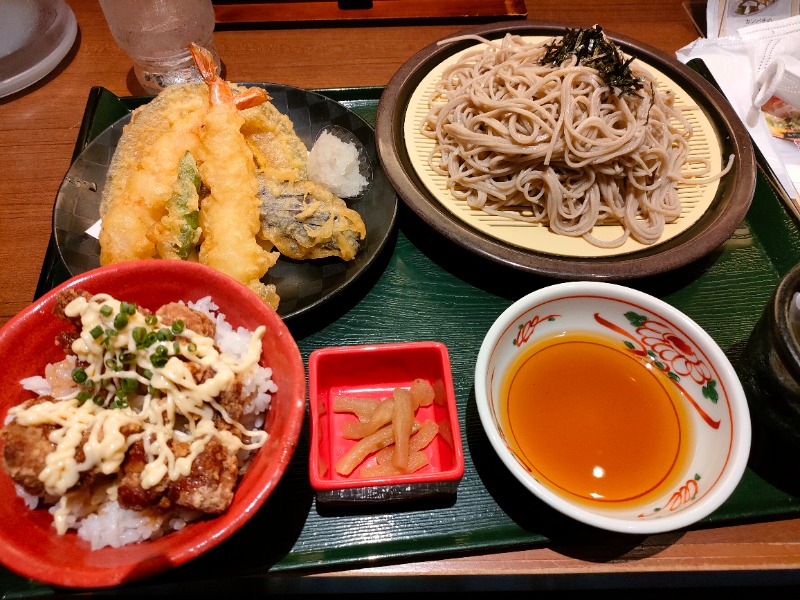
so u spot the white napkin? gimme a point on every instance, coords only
(758, 60)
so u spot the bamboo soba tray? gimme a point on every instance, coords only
(427, 288)
(695, 200)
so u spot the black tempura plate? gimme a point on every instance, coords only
(301, 285)
(724, 214)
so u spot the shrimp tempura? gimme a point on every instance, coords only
(230, 216)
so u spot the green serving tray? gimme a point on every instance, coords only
(424, 288)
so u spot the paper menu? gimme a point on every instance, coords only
(727, 17)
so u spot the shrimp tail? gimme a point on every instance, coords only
(251, 97)
(204, 61)
(219, 89)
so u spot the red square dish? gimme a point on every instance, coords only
(374, 372)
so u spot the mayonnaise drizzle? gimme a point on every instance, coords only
(176, 408)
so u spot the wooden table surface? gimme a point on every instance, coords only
(38, 130)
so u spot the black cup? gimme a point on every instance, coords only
(770, 374)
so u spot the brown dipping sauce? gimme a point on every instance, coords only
(596, 422)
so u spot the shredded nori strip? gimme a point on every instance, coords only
(593, 49)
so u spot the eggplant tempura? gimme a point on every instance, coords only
(213, 172)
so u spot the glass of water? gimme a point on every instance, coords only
(156, 35)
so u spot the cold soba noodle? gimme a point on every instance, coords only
(534, 133)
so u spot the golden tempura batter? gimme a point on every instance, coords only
(144, 169)
(230, 218)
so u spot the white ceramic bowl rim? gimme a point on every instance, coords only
(741, 434)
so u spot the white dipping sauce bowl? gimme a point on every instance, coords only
(698, 382)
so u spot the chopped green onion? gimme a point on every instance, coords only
(129, 384)
(139, 334)
(121, 321)
(149, 340)
(127, 308)
(79, 375)
(96, 332)
(178, 326)
(106, 310)
(192, 347)
(151, 320)
(159, 357)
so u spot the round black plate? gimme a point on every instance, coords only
(301, 285)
